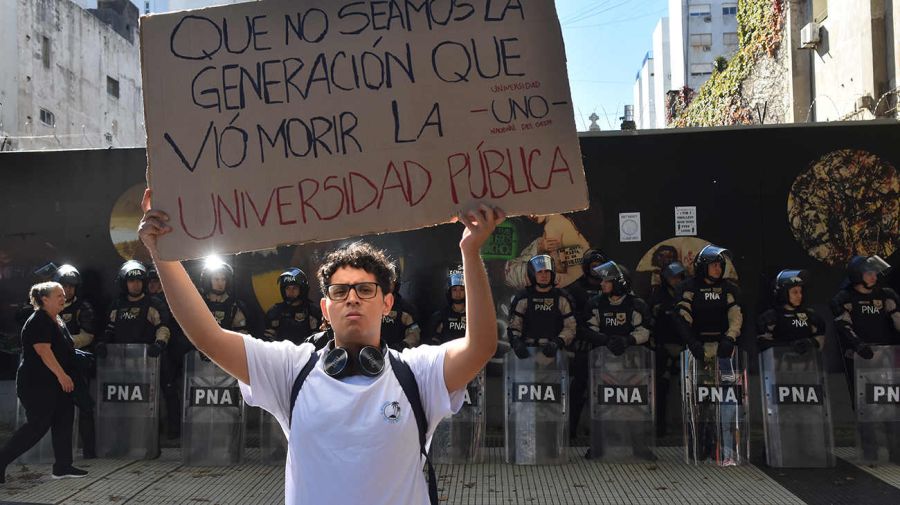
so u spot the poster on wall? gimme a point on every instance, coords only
(685, 221)
(289, 122)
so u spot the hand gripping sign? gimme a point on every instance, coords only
(287, 122)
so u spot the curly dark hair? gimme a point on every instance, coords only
(363, 256)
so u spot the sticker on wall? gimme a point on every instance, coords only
(685, 221)
(629, 227)
(846, 203)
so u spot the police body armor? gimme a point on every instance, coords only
(542, 319)
(293, 322)
(709, 308)
(797, 414)
(537, 406)
(77, 316)
(458, 438)
(213, 423)
(453, 325)
(224, 312)
(714, 396)
(393, 331)
(131, 325)
(622, 404)
(127, 403)
(878, 405)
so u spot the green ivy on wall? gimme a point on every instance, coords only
(718, 102)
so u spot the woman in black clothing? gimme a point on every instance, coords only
(44, 383)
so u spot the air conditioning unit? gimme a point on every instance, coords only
(809, 35)
(707, 19)
(706, 49)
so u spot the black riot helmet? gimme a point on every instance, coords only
(539, 263)
(590, 257)
(708, 255)
(67, 274)
(214, 266)
(859, 265)
(293, 277)
(455, 278)
(615, 273)
(131, 269)
(785, 280)
(674, 270)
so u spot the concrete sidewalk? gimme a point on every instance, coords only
(668, 481)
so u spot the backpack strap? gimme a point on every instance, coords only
(298, 382)
(410, 388)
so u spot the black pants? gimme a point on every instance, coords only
(44, 410)
(172, 375)
(579, 369)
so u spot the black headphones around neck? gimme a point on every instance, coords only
(369, 361)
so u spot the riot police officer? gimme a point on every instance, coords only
(583, 289)
(668, 343)
(542, 314)
(79, 317)
(295, 318)
(865, 313)
(618, 319)
(449, 323)
(217, 286)
(707, 308)
(172, 364)
(135, 317)
(399, 328)
(790, 322)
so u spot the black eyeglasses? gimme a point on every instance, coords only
(340, 292)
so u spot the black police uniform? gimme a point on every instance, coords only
(446, 325)
(580, 292)
(287, 321)
(399, 329)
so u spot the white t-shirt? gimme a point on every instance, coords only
(353, 440)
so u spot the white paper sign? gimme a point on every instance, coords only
(284, 122)
(685, 221)
(629, 227)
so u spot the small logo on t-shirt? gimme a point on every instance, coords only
(391, 412)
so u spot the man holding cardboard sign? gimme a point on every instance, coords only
(352, 416)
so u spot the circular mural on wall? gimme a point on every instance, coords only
(846, 203)
(123, 223)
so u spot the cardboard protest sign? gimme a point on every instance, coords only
(283, 122)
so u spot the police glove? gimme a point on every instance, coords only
(519, 347)
(618, 343)
(726, 347)
(696, 349)
(156, 348)
(552, 346)
(597, 339)
(802, 345)
(100, 349)
(864, 351)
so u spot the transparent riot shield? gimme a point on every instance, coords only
(878, 405)
(212, 423)
(458, 438)
(716, 420)
(537, 405)
(127, 397)
(8, 401)
(623, 420)
(272, 442)
(796, 411)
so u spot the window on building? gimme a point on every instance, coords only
(730, 39)
(45, 51)
(47, 117)
(112, 87)
(701, 40)
(729, 9)
(703, 10)
(820, 10)
(701, 68)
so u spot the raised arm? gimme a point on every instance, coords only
(225, 348)
(468, 355)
